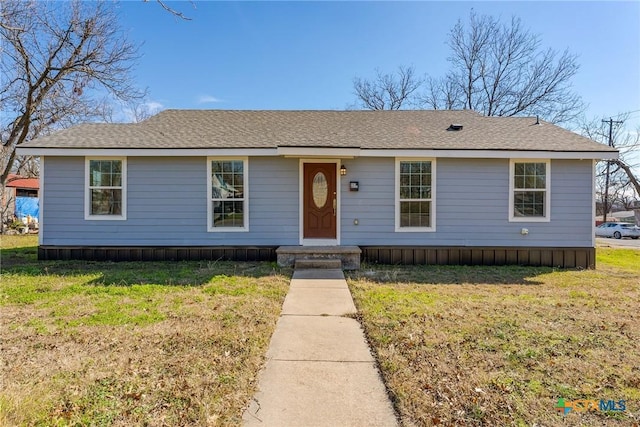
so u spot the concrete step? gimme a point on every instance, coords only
(313, 263)
(348, 255)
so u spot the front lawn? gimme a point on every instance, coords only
(498, 346)
(120, 344)
(181, 343)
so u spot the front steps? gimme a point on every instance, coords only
(328, 264)
(328, 257)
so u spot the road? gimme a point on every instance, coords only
(617, 243)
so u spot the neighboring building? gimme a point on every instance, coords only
(444, 187)
(20, 198)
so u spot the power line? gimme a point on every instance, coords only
(611, 122)
(625, 114)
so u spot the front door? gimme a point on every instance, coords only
(320, 201)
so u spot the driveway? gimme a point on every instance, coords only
(617, 243)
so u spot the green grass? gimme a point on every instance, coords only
(627, 259)
(499, 345)
(149, 343)
(180, 343)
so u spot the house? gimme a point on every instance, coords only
(20, 198)
(413, 187)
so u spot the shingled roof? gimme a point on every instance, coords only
(394, 130)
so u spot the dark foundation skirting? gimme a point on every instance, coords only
(395, 255)
(244, 253)
(539, 257)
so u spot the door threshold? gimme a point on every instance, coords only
(320, 242)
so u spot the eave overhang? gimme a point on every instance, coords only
(320, 152)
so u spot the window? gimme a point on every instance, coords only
(415, 195)
(24, 192)
(227, 195)
(529, 196)
(105, 194)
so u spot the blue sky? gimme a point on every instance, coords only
(304, 55)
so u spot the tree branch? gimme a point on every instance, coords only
(172, 10)
(388, 91)
(51, 52)
(632, 178)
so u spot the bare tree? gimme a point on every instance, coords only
(496, 69)
(61, 61)
(616, 183)
(387, 91)
(615, 193)
(134, 111)
(442, 94)
(633, 180)
(501, 70)
(27, 166)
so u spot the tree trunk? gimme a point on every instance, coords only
(632, 178)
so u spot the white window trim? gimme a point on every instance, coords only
(87, 191)
(433, 195)
(547, 200)
(245, 183)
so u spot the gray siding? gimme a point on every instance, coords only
(167, 205)
(472, 206)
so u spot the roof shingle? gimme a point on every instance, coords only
(243, 129)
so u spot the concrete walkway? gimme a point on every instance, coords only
(319, 369)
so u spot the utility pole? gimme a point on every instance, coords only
(606, 186)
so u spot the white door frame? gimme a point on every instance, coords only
(318, 242)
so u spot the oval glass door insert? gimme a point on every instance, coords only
(320, 189)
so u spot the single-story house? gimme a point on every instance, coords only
(414, 187)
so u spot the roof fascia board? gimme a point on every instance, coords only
(148, 152)
(310, 152)
(319, 152)
(494, 154)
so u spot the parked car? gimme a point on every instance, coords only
(617, 230)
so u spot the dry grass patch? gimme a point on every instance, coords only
(492, 346)
(120, 344)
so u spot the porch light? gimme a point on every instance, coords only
(343, 170)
